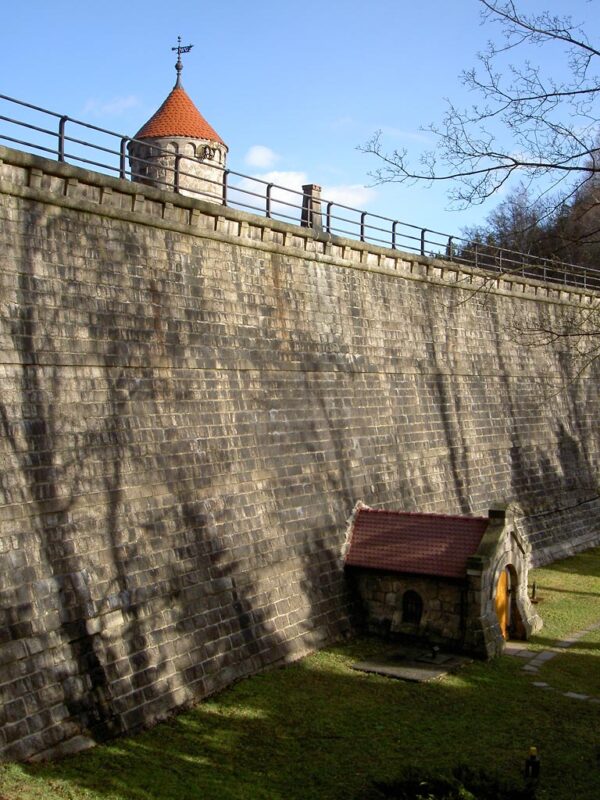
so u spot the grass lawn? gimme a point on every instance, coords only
(570, 601)
(318, 729)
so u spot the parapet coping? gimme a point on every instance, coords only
(68, 186)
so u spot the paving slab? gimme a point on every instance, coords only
(516, 649)
(577, 696)
(537, 660)
(406, 672)
(414, 667)
(542, 657)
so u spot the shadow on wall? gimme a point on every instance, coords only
(55, 582)
(134, 585)
(448, 405)
(539, 476)
(143, 573)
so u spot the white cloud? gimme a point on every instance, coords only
(345, 122)
(354, 195)
(400, 133)
(261, 157)
(286, 196)
(112, 108)
(291, 180)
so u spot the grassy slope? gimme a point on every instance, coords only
(318, 729)
(570, 601)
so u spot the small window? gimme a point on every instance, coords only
(412, 607)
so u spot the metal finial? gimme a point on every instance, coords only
(180, 49)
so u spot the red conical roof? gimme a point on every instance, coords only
(178, 116)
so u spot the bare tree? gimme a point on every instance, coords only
(528, 123)
(538, 123)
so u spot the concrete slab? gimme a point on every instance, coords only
(541, 658)
(517, 649)
(577, 696)
(437, 660)
(413, 666)
(406, 672)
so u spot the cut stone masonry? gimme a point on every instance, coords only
(192, 400)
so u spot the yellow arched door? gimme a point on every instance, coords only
(501, 602)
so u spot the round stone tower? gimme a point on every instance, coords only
(177, 149)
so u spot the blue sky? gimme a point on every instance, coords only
(292, 88)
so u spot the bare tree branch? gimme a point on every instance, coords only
(537, 125)
(528, 125)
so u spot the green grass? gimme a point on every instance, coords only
(320, 730)
(570, 671)
(569, 593)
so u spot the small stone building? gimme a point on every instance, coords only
(453, 581)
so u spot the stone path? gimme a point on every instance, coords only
(536, 660)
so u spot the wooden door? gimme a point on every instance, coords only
(501, 602)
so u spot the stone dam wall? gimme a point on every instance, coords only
(193, 399)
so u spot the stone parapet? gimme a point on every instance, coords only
(72, 187)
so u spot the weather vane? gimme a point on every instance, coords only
(180, 49)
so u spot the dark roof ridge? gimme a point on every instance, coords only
(430, 514)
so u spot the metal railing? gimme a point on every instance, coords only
(80, 143)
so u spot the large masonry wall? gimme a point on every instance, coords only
(193, 399)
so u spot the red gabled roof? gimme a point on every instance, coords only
(425, 544)
(178, 116)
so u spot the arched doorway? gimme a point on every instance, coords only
(502, 602)
(412, 607)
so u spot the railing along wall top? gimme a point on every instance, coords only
(81, 143)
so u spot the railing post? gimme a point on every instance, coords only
(225, 187)
(328, 216)
(123, 158)
(449, 248)
(476, 250)
(394, 234)
(362, 225)
(268, 199)
(423, 232)
(61, 138)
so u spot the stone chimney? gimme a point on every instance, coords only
(311, 207)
